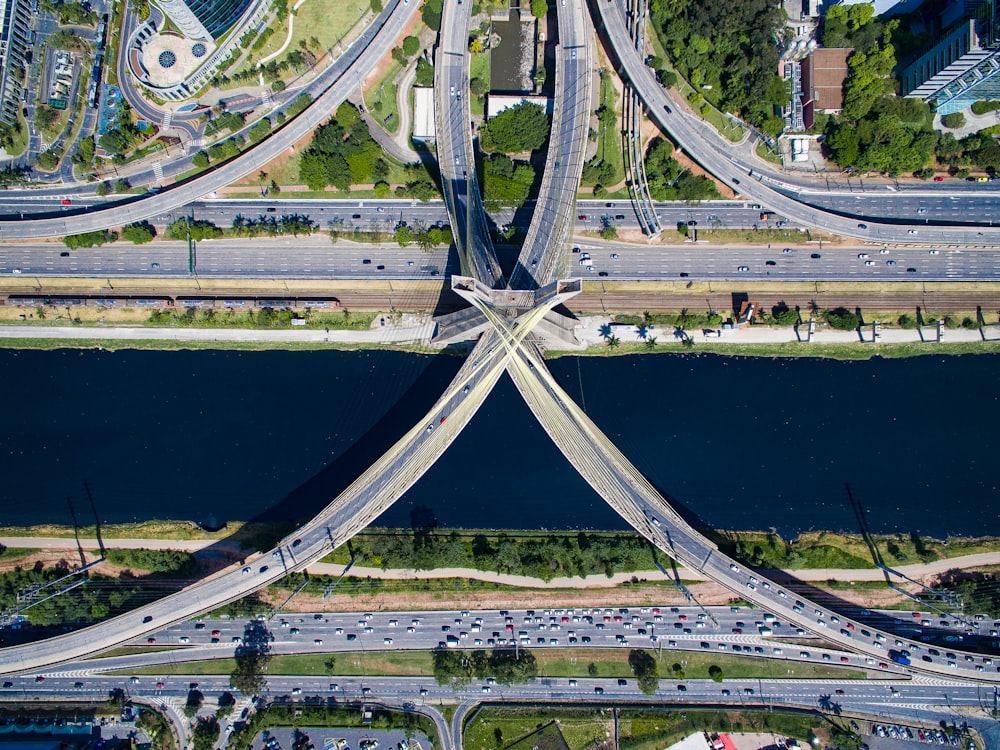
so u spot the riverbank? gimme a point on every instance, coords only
(597, 334)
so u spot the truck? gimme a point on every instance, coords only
(900, 657)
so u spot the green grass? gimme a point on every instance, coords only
(17, 553)
(767, 154)
(327, 20)
(555, 663)
(133, 650)
(112, 345)
(846, 351)
(381, 98)
(479, 67)
(609, 141)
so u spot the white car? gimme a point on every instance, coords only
(743, 269)
(863, 256)
(911, 231)
(614, 256)
(933, 252)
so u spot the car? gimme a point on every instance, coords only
(263, 568)
(815, 256)
(743, 269)
(933, 252)
(614, 256)
(296, 691)
(64, 254)
(147, 618)
(409, 263)
(366, 261)
(786, 251)
(869, 263)
(735, 181)
(863, 256)
(734, 567)
(911, 269)
(352, 636)
(387, 641)
(443, 419)
(16, 270)
(581, 217)
(355, 216)
(921, 211)
(380, 210)
(430, 428)
(246, 571)
(598, 690)
(862, 226)
(770, 263)
(150, 641)
(682, 688)
(602, 273)
(271, 209)
(890, 262)
(66, 201)
(184, 639)
(684, 274)
(379, 268)
(939, 178)
(911, 231)
(576, 250)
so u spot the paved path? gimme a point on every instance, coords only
(419, 331)
(574, 582)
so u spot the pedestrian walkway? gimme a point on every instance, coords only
(158, 171)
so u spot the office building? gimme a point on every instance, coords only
(14, 46)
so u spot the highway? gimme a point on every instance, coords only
(455, 153)
(317, 258)
(554, 210)
(913, 704)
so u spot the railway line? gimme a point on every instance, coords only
(593, 300)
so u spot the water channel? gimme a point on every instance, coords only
(741, 442)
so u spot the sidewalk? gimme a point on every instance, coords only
(412, 329)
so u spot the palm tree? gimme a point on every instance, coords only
(651, 342)
(613, 342)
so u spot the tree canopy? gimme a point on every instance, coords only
(670, 180)
(726, 50)
(506, 665)
(521, 128)
(341, 153)
(505, 182)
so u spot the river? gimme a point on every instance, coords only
(744, 443)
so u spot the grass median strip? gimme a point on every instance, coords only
(554, 663)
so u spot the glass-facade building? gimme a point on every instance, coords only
(14, 45)
(218, 16)
(962, 68)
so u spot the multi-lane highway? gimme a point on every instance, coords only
(456, 157)
(553, 214)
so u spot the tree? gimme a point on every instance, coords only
(715, 672)
(521, 128)
(953, 121)
(102, 189)
(404, 236)
(842, 319)
(206, 733)
(253, 657)
(200, 159)
(425, 73)
(139, 233)
(479, 87)
(645, 669)
(122, 185)
(609, 232)
(90, 239)
(411, 45)
(539, 8)
(376, 6)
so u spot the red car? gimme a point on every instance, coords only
(939, 178)
(66, 201)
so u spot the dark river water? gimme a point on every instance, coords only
(741, 442)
